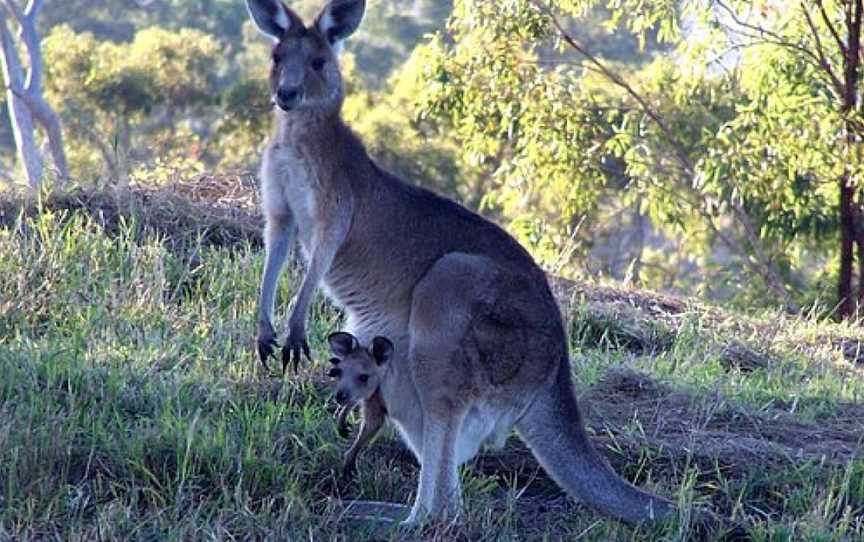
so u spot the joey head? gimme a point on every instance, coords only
(358, 372)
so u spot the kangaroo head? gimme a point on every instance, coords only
(358, 370)
(304, 73)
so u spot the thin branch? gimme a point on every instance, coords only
(15, 9)
(33, 8)
(620, 82)
(761, 32)
(761, 39)
(823, 61)
(769, 39)
(831, 27)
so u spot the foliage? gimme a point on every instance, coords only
(737, 162)
(120, 101)
(245, 123)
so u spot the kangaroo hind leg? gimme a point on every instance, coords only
(439, 494)
(444, 377)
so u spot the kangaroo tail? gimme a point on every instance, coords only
(552, 427)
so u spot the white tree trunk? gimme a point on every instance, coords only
(50, 121)
(39, 108)
(26, 101)
(19, 114)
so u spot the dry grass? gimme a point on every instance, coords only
(209, 210)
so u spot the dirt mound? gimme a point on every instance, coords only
(217, 210)
(652, 303)
(713, 433)
(222, 210)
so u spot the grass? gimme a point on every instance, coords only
(131, 406)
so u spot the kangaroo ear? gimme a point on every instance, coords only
(342, 343)
(272, 17)
(381, 350)
(339, 19)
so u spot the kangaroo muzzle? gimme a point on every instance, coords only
(288, 98)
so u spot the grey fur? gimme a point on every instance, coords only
(359, 372)
(480, 346)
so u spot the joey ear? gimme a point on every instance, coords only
(339, 19)
(342, 343)
(381, 350)
(272, 17)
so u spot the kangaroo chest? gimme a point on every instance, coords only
(299, 186)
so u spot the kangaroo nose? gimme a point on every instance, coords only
(287, 98)
(341, 397)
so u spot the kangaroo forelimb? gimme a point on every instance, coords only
(319, 263)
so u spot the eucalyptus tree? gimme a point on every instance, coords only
(732, 139)
(120, 99)
(24, 91)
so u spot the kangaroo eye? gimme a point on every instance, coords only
(335, 372)
(363, 379)
(318, 63)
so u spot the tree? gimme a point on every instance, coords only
(805, 66)
(124, 99)
(25, 99)
(717, 154)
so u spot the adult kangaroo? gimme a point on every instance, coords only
(479, 344)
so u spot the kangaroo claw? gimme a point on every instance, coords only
(292, 352)
(266, 348)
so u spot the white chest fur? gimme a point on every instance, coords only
(289, 181)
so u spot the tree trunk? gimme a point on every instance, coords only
(858, 217)
(639, 224)
(25, 142)
(19, 114)
(26, 102)
(39, 108)
(846, 301)
(50, 122)
(851, 73)
(108, 153)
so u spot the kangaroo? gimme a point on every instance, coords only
(359, 372)
(479, 345)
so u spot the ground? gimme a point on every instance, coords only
(132, 406)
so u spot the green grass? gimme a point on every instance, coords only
(131, 407)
